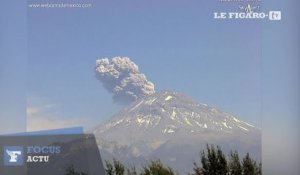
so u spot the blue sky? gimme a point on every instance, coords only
(182, 49)
(248, 68)
(12, 70)
(281, 84)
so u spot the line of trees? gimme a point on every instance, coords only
(154, 168)
(213, 162)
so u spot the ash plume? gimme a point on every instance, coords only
(121, 77)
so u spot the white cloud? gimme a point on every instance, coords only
(44, 118)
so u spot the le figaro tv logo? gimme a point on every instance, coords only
(13, 155)
(248, 12)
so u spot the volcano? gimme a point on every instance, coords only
(174, 128)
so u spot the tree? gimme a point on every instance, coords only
(213, 162)
(249, 165)
(131, 171)
(197, 170)
(221, 162)
(119, 167)
(71, 171)
(258, 169)
(109, 168)
(235, 167)
(115, 168)
(157, 168)
(205, 165)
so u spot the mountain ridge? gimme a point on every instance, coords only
(159, 125)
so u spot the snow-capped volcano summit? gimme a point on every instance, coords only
(173, 127)
(172, 112)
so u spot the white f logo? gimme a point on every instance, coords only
(13, 155)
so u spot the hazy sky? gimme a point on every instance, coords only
(177, 45)
(12, 68)
(247, 68)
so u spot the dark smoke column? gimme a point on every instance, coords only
(122, 77)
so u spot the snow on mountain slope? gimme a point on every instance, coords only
(175, 128)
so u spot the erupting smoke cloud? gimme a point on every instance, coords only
(122, 77)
